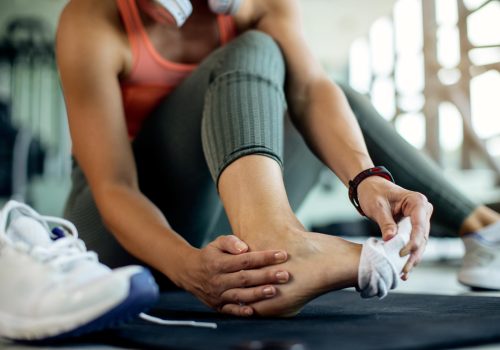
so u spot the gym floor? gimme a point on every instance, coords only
(431, 277)
(437, 274)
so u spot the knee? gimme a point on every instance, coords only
(253, 53)
(259, 42)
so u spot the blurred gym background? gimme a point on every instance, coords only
(431, 67)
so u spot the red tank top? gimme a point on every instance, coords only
(152, 77)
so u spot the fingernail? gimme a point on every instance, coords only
(248, 311)
(241, 246)
(403, 252)
(282, 276)
(269, 292)
(280, 256)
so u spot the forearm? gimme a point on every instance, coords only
(331, 130)
(142, 230)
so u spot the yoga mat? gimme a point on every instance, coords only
(338, 320)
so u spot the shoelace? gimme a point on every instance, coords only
(163, 322)
(68, 249)
(63, 252)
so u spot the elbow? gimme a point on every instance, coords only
(110, 198)
(108, 193)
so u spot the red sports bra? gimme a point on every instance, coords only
(152, 77)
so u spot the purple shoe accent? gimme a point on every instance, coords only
(58, 233)
(143, 293)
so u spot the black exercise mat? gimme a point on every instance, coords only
(338, 320)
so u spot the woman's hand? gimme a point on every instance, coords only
(385, 202)
(225, 276)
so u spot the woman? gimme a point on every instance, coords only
(164, 118)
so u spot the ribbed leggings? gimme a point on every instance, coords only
(232, 105)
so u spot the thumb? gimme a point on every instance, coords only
(231, 244)
(387, 225)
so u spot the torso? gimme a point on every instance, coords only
(189, 44)
(163, 56)
(178, 50)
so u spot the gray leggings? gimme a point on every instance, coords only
(231, 106)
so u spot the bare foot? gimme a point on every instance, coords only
(256, 203)
(317, 264)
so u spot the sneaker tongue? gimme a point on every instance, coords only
(28, 230)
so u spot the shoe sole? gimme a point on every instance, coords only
(478, 288)
(482, 289)
(143, 293)
(478, 281)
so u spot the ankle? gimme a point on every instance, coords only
(269, 235)
(481, 217)
(346, 274)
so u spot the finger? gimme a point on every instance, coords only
(236, 310)
(253, 260)
(250, 278)
(230, 244)
(413, 260)
(419, 218)
(385, 221)
(430, 210)
(241, 296)
(417, 241)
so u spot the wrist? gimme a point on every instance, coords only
(373, 184)
(362, 165)
(371, 175)
(180, 268)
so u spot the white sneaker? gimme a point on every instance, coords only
(481, 264)
(51, 287)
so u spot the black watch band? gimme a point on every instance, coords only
(354, 183)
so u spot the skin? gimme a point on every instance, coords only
(93, 54)
(269, 247)
(481, 217)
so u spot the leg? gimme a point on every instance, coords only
(414, 171)
(480, 218)
(242, 136)
(255, 199)
(172, 169)
(301, 172)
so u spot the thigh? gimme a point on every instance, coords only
(171, 164)
(82, 211)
